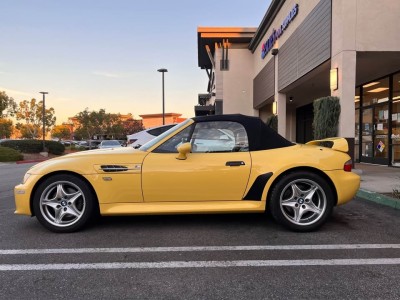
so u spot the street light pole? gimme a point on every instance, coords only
(163, 99)
(44, 120)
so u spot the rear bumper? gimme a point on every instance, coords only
(346, 183)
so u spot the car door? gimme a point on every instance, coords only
(217, 169)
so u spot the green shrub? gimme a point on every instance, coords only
(75, 148)
(326, 118)
(34, 146)
(272, 122)
(9, 154)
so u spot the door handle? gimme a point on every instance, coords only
(235, 163)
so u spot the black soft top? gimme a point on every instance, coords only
(260, 136)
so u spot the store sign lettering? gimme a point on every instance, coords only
(278, 32)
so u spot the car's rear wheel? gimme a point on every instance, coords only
(64, 203)
(301, 201)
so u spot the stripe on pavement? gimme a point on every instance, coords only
(201, 264)
(201, 248)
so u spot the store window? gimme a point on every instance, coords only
(357, 98)
(357, 137)
(395, 138)
(376, 92)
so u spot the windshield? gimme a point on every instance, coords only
(154, 141)
(110, 143)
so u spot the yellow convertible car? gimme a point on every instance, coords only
(210, 164)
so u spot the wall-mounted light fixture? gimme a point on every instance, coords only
(274, 51)
(291, 98)
(274, 108)
(334, 79)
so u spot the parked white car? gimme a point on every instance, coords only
(140, 138)
(109, 144)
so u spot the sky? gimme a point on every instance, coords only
(105, 54)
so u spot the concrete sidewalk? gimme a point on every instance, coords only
(376, 178)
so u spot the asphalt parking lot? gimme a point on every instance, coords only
(355, 256)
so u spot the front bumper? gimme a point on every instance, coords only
(346, 183)
(22, 194)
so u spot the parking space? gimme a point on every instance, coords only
(356, 255)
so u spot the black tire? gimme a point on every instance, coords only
(87, 203)
(286, 215)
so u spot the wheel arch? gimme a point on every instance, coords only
(309, 169)
(44, 177)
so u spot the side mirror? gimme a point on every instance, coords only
(183, 150)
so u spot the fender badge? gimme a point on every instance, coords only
(107, 178)
(20, 192)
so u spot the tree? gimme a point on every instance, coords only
(6, 128)
(25, 131)
(132, 126)
(7, 105)
(91, 123)
(61, 132)
(32, 113)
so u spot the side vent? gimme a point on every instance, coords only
(112, 168)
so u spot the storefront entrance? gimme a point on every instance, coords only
(375, 135)
(377, 115)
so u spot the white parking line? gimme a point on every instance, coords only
(201, 264)
(201, 248)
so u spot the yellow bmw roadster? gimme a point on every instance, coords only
(211, 164)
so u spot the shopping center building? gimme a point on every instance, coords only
(304, 50)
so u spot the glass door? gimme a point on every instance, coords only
(366, 132)
(381, 134)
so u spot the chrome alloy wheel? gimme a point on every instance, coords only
(303, 202)
(62, 203)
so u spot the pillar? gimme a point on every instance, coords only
(343, 57)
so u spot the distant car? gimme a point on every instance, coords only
(85, 144)
(140, 138)
(110, 144)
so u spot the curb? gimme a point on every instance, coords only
(30, 161)
(379, 198)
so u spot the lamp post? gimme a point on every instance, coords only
(44, 120)
(163, 100)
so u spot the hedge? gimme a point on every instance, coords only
(326, 118)
(9, 154)
(272, 122)
(34, 146)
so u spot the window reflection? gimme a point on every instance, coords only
(376, 92)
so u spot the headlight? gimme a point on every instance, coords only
(26, 176)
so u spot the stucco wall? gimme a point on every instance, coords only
(304, 8)
(238, 83)
(378, 25)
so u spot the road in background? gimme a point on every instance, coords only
(145, 271)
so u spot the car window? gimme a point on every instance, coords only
(219, 136)
(171, 145)
(159, 130)
(156, 140)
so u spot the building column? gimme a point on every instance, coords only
(280, 99)
(345, 62)
(344, 59)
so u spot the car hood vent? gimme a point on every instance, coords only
(113, 168)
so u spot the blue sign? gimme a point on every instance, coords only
(277, 33)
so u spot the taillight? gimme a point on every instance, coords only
(348, 165)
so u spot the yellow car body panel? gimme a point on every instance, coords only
(158, 183)
(200, 177)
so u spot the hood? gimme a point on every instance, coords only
(84, 162)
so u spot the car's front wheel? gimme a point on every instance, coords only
(64, 203)
(301, 201)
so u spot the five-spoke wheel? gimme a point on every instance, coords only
(64, 203)
(301, 201)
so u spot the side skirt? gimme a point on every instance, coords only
(170, 208)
